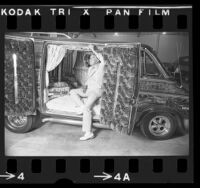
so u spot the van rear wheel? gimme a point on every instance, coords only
(20, 124)
(158, 125)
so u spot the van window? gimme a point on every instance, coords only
(148, 66)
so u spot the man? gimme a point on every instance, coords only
(92, 91)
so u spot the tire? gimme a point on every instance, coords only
(182, 129)
(20, 124)
(158, 125)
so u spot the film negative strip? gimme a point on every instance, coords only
(120, 74)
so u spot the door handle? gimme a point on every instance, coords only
(133, 100)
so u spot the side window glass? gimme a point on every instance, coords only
(149, 68)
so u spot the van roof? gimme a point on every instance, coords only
(47, 38)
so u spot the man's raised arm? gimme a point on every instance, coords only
(98, 54)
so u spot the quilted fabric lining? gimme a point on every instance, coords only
(24, 49)
(120, 78)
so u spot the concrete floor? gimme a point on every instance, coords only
(54, 139)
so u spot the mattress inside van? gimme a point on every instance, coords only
(65, 103)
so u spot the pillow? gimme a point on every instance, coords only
(59, 88)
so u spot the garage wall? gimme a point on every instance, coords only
(168, 47)
(164, 44)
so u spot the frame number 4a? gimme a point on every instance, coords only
(122, 178)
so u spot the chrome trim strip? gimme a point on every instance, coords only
(15, 79)
(73, 122)
(63, 34)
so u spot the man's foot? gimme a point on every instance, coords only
(87, 136)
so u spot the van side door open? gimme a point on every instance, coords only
(19, 76)
(120, 87)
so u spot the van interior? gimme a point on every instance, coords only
(66, 68)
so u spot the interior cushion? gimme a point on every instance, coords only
(66, 103)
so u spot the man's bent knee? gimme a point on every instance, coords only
(73, 91)
(87, 109)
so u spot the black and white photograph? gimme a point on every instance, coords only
(96, 94)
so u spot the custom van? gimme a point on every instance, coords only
(138, 91)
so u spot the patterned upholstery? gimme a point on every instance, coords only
(25, 73)
(118, 87)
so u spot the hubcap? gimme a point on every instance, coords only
(159, 125)
(17, 121)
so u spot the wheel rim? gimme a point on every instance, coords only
(159, 126)
(17, 121)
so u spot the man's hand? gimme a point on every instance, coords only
(99, 55)
(91, 47)
(84, 87)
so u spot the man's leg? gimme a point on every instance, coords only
(76, 95)
(87, 116)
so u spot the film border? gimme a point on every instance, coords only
(81, 169)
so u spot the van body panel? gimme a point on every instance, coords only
(161, 86)
(150, 101)
(160, 92)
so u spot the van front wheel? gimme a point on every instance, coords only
(158, 125)
(20, 124)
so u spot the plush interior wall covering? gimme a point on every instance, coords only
(120, 78)
(25, 74)
(67, 68)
